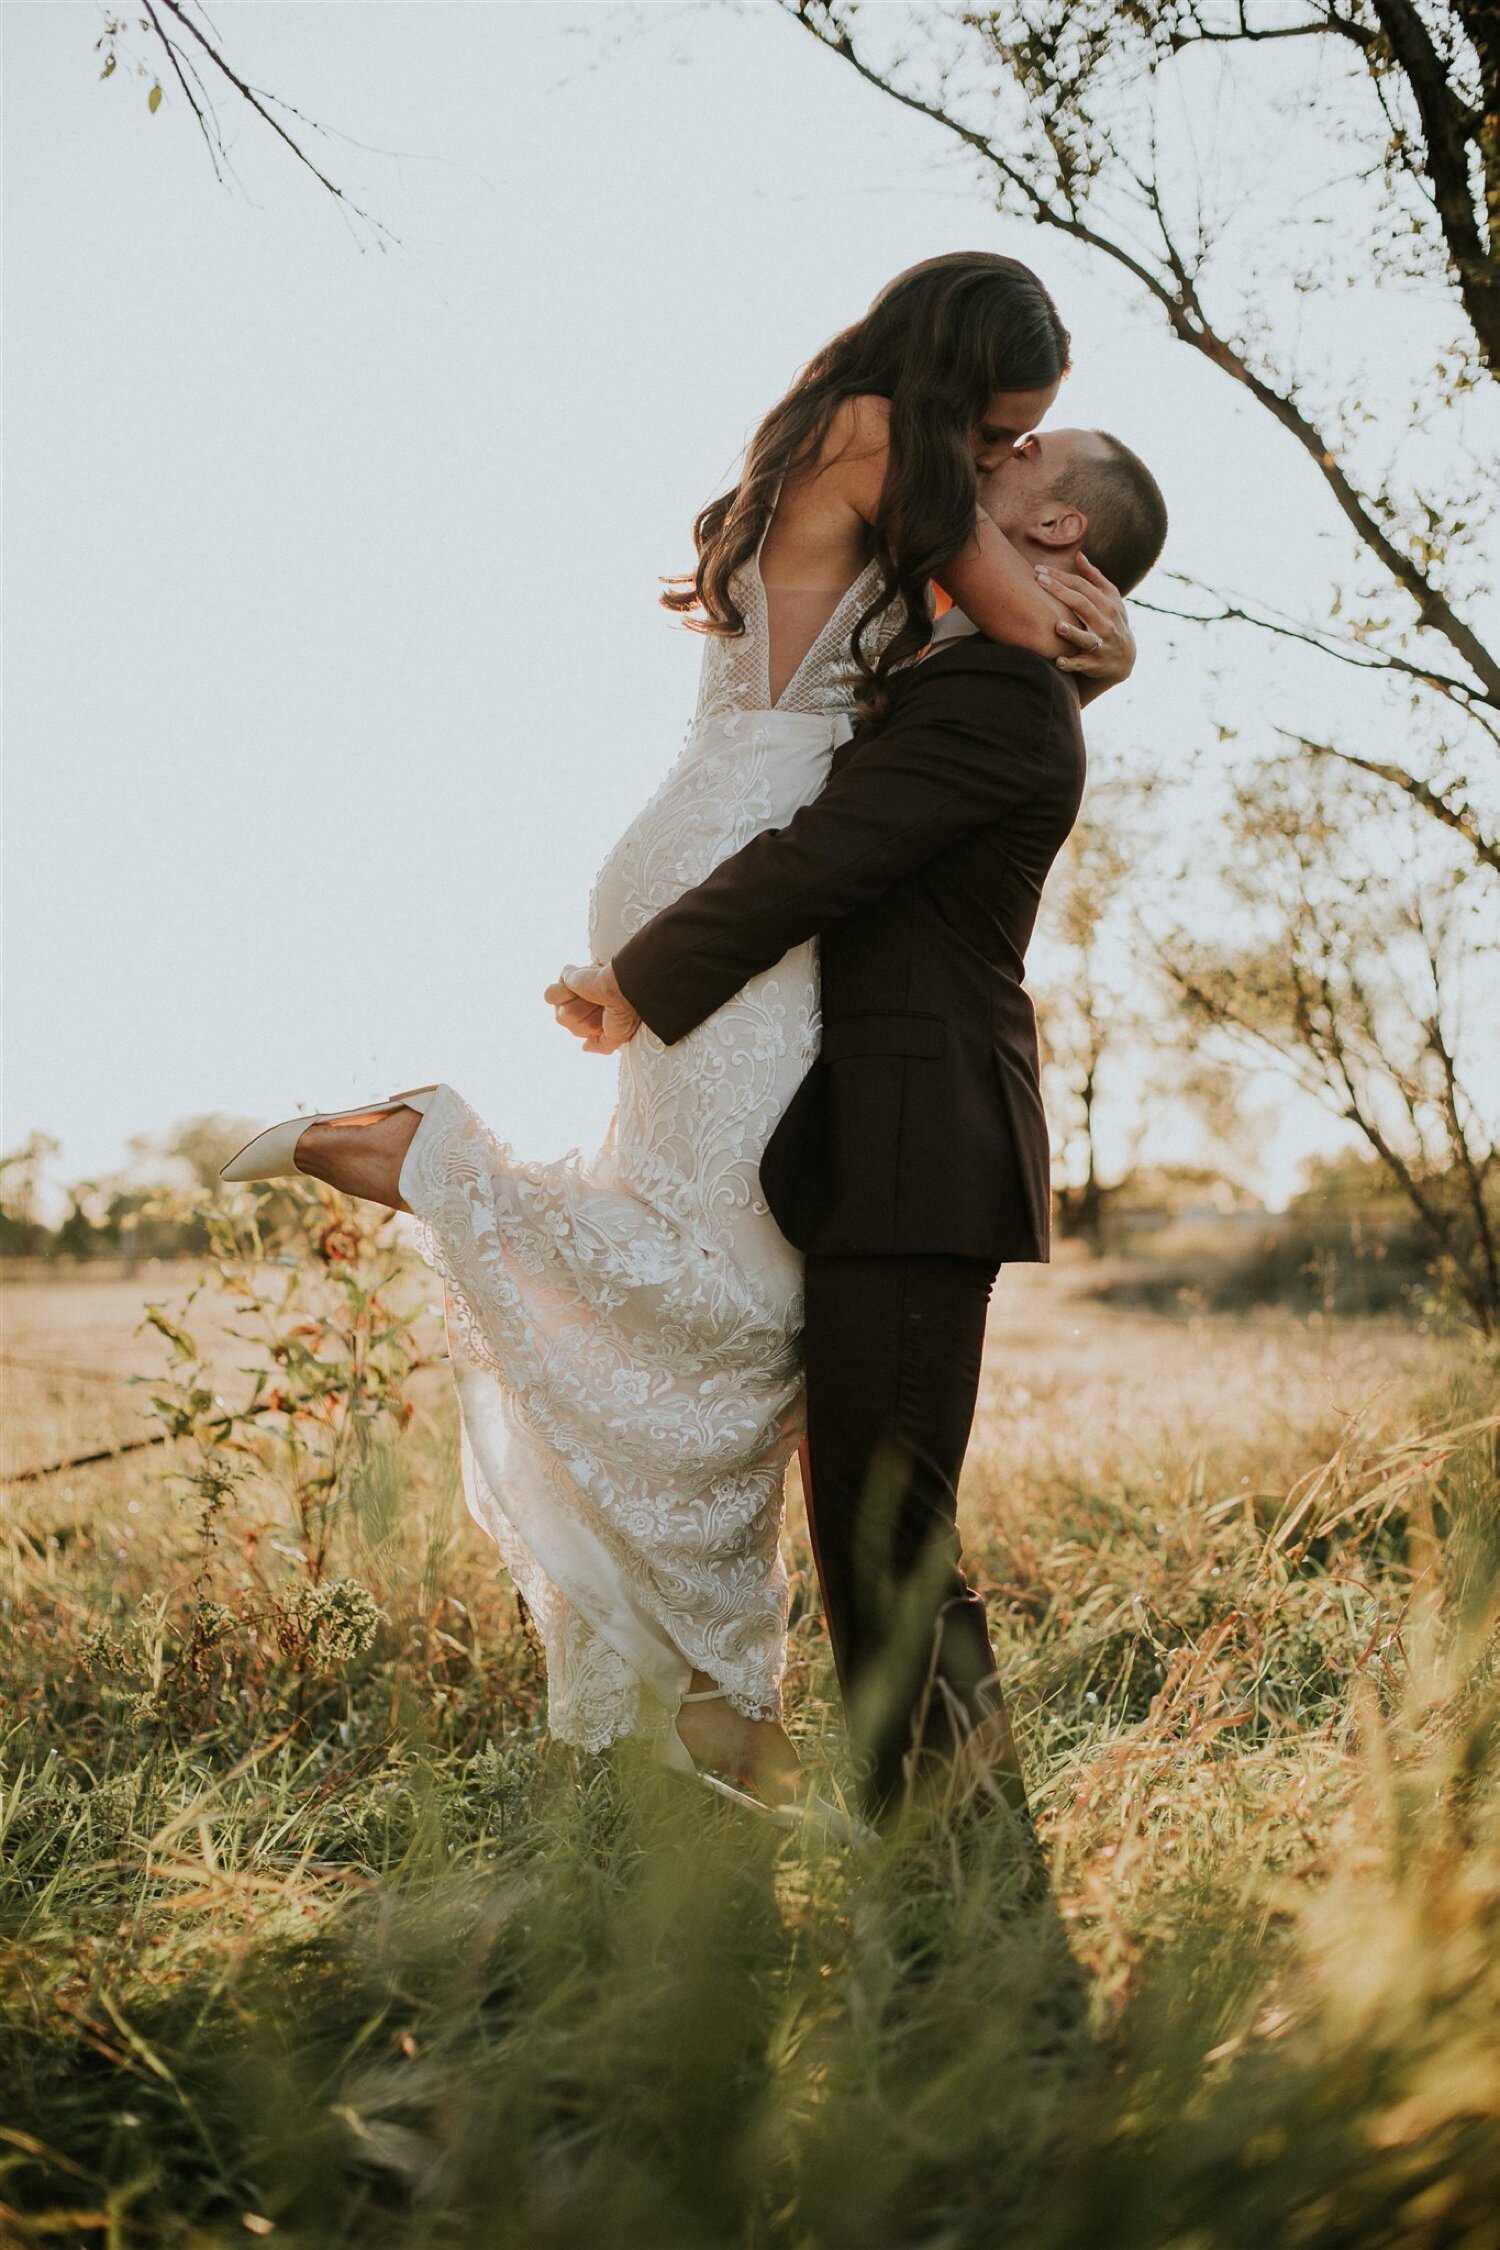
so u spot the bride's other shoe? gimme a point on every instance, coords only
(674, 1753)
(272, 1155)
(830, 1819)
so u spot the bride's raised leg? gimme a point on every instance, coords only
(754, 1754)
(361, 1155)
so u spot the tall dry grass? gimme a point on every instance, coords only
(309, 1936)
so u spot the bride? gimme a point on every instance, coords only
(624, 1334)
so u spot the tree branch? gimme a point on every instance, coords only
(1325, 24)
(247, 93)
(1330, 1081)
(191, 99)
(1449, 128)
(1360, 656)
(1458, 1114)
(1454, 814)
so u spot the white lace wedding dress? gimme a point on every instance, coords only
(625, 1333)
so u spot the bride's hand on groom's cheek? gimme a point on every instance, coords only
(589, 1003)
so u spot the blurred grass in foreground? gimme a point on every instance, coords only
(307, 1937)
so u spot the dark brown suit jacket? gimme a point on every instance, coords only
(919, 1129)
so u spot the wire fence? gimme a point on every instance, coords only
(71, 1372)
(116, 1452)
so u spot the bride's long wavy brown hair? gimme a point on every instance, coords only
(938, 342)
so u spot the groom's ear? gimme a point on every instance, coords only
(1060, 526)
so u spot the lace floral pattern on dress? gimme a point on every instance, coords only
(625, 1333)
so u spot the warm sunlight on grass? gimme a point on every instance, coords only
(307, 1937)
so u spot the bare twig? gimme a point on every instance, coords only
(255, 99)
(1360, 656)
(1452, 813)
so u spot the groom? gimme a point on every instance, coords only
(913, 1160)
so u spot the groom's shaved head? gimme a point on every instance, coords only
(1065, 489)
(1127, 516)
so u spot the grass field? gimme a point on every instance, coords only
(307, 1935)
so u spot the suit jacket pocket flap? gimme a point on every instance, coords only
(884, 1035)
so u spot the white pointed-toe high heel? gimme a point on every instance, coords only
(816, 1811)
(272, 1155)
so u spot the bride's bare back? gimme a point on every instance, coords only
(818, 543)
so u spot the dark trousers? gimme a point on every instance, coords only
(893, 1347)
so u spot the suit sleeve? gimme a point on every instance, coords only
(960, 751)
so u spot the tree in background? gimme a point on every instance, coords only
(23, 1233)
(1085, 1017)
(1356, 961)
(150, 1208)
(1108, 1046)
(1351, 981)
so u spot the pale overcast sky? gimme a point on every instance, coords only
(334, 663)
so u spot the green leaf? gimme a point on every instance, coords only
(183, 1347)
(153, 99)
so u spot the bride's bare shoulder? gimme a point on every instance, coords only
(861, 424)
(855, 450)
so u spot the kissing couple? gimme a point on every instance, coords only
(807, 952)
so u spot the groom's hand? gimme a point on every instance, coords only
(588, 1002)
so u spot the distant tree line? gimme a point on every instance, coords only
(151, 1208)
(1189, 1233)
